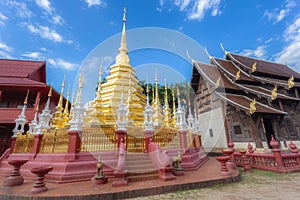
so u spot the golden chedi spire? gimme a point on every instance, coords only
(66, 117)
(157, 111)
(174, 110)
(167, 113)
(57, 121)
(94, 114)
(111, 89)
(122, 57)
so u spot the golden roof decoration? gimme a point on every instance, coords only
(252, 107)
(237, 76)
(254, 67)
(218, 82)
(291, 82)
(274, 93)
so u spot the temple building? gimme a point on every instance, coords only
(246, 100)
(21, 81)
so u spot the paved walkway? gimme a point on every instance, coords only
(207, 175)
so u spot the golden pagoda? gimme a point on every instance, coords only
(121, 73)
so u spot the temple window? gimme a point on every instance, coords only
(237, 129)
(211, 134)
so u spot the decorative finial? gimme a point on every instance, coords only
(274, 93)
(26, 99)
(218, 82)
(37, 104)
(254, 67)
(122, 56)
(291, 82)
(237, 76)
(252, 106)
(124, 15)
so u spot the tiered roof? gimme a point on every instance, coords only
(235, 78)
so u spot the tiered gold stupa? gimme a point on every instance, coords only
(122, 74)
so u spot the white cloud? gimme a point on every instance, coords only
(47, 33)
(3, 18)
(94, 3)
(4, 47)
(291, 52)
(195, 9)
(44, 4)
(5, 55)
(20, 9)
(58, 20)
(259, 52)
(61, 63)
(201, 6)
(278, 14)
(33, 55)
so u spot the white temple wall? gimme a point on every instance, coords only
(213, 130)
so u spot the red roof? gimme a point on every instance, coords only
(22, 73)
(9, 81)
(19, 68)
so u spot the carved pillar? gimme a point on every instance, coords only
(37, 143)
(277, 153)
(254, 132)
(148, 134)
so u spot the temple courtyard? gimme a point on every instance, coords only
(205, 183)
(255, 185)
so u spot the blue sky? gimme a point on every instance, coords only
(65, 32)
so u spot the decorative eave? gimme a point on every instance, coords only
(261, 108)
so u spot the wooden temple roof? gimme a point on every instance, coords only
(212, 74)
(228, 67)
(270, 73)
(265, 67)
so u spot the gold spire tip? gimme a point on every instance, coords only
(37, 104)
(26, 98)
(50, 92)
(124, 15)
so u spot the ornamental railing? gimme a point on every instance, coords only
(277, 160)
(24, 143)
(134, 140)
(98, 139)
(167, 138)
(55, 141)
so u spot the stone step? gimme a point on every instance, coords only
(144, 177)
(140, 168)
